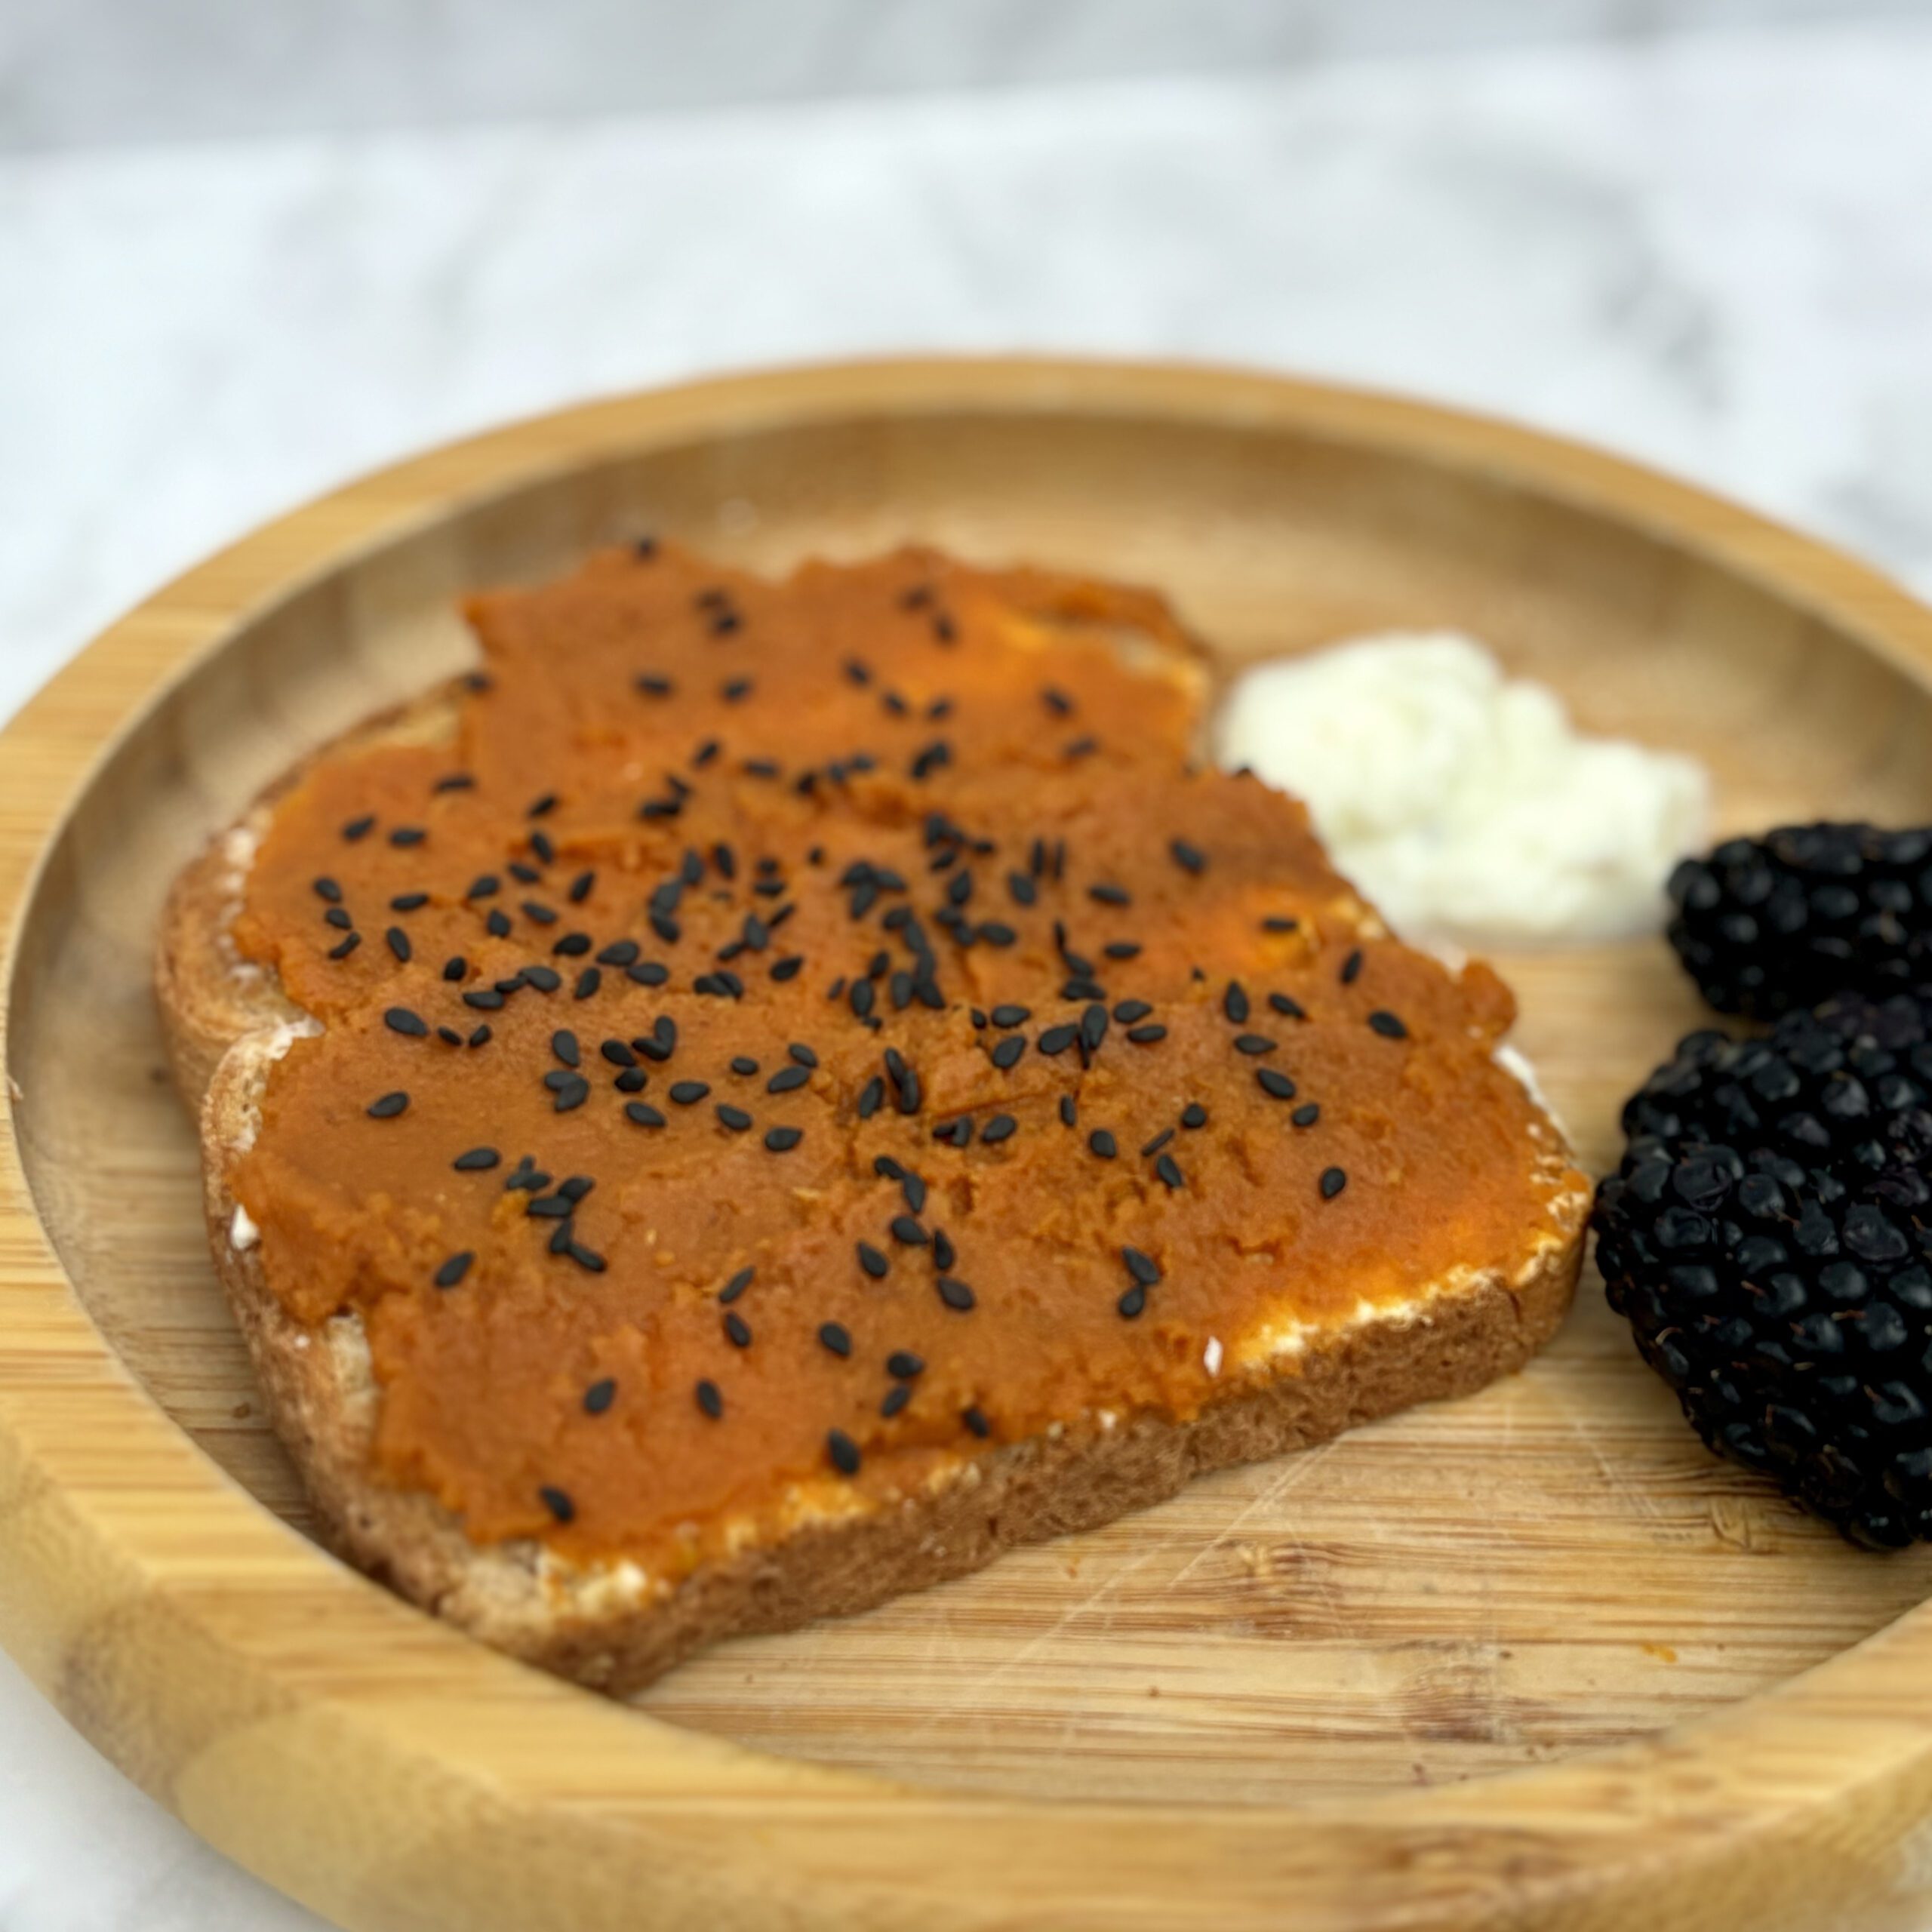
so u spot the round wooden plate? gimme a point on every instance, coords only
(1533, 1659)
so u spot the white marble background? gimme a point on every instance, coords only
(1711, 248)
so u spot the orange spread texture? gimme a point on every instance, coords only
(888, 1045)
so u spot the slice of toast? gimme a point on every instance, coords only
(614, 1615)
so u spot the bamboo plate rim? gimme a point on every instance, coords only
(107, 1509)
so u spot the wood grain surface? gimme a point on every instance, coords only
(1285, 1697)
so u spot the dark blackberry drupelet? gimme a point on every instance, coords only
(1768, 925)
(1767, 1237)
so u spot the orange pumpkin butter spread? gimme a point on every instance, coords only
(801, 1034)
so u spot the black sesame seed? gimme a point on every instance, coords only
(688, 1093)
(1110, 894)
(389, 1107)
(1121, 949)
(1334, 1179)
(976, 1422)
(1194, 1114)
(1132, 1303)
(843, 1450)
(648, 973)
(737, 1330)
(954, 1293)
(498, 923)
(1057, 1039)
(913, 1187)
(642, 1114)
(1276, 1086)
(401, 1019)
(1169, 1170)
(1189, 858)
(782, 1139)
(735, 1118)
(1102, 1143)
(1147, 1035)
(1307, 1114)
(709, 1400)
(327, 889)
(1351, 967)
(485, 999)
(359, 828)
(1252, 1043)
(834, 1335)
(1154, 1145)
(1288, 1009)
(599, 1396)
(896, 1397)
(346, 947)
(1069, 1111)
(1002, 1126)
(787, 1079)
(871, 1096)
(736, 1285)
(454, 1269)
(1388, 1024)
(478, 1035)
(478, 1160)
(905, 1229)
(558, 1503)
(1129, 1012)
(563, 1044)
(1234, 1003)
(407, 835)
(1007, 1053)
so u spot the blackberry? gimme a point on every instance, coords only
(1767, 1237)
(1768, 925)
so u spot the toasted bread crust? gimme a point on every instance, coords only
(226, 1021)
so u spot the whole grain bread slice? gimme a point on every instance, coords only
(610, 1625)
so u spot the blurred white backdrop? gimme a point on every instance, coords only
(247, 249)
